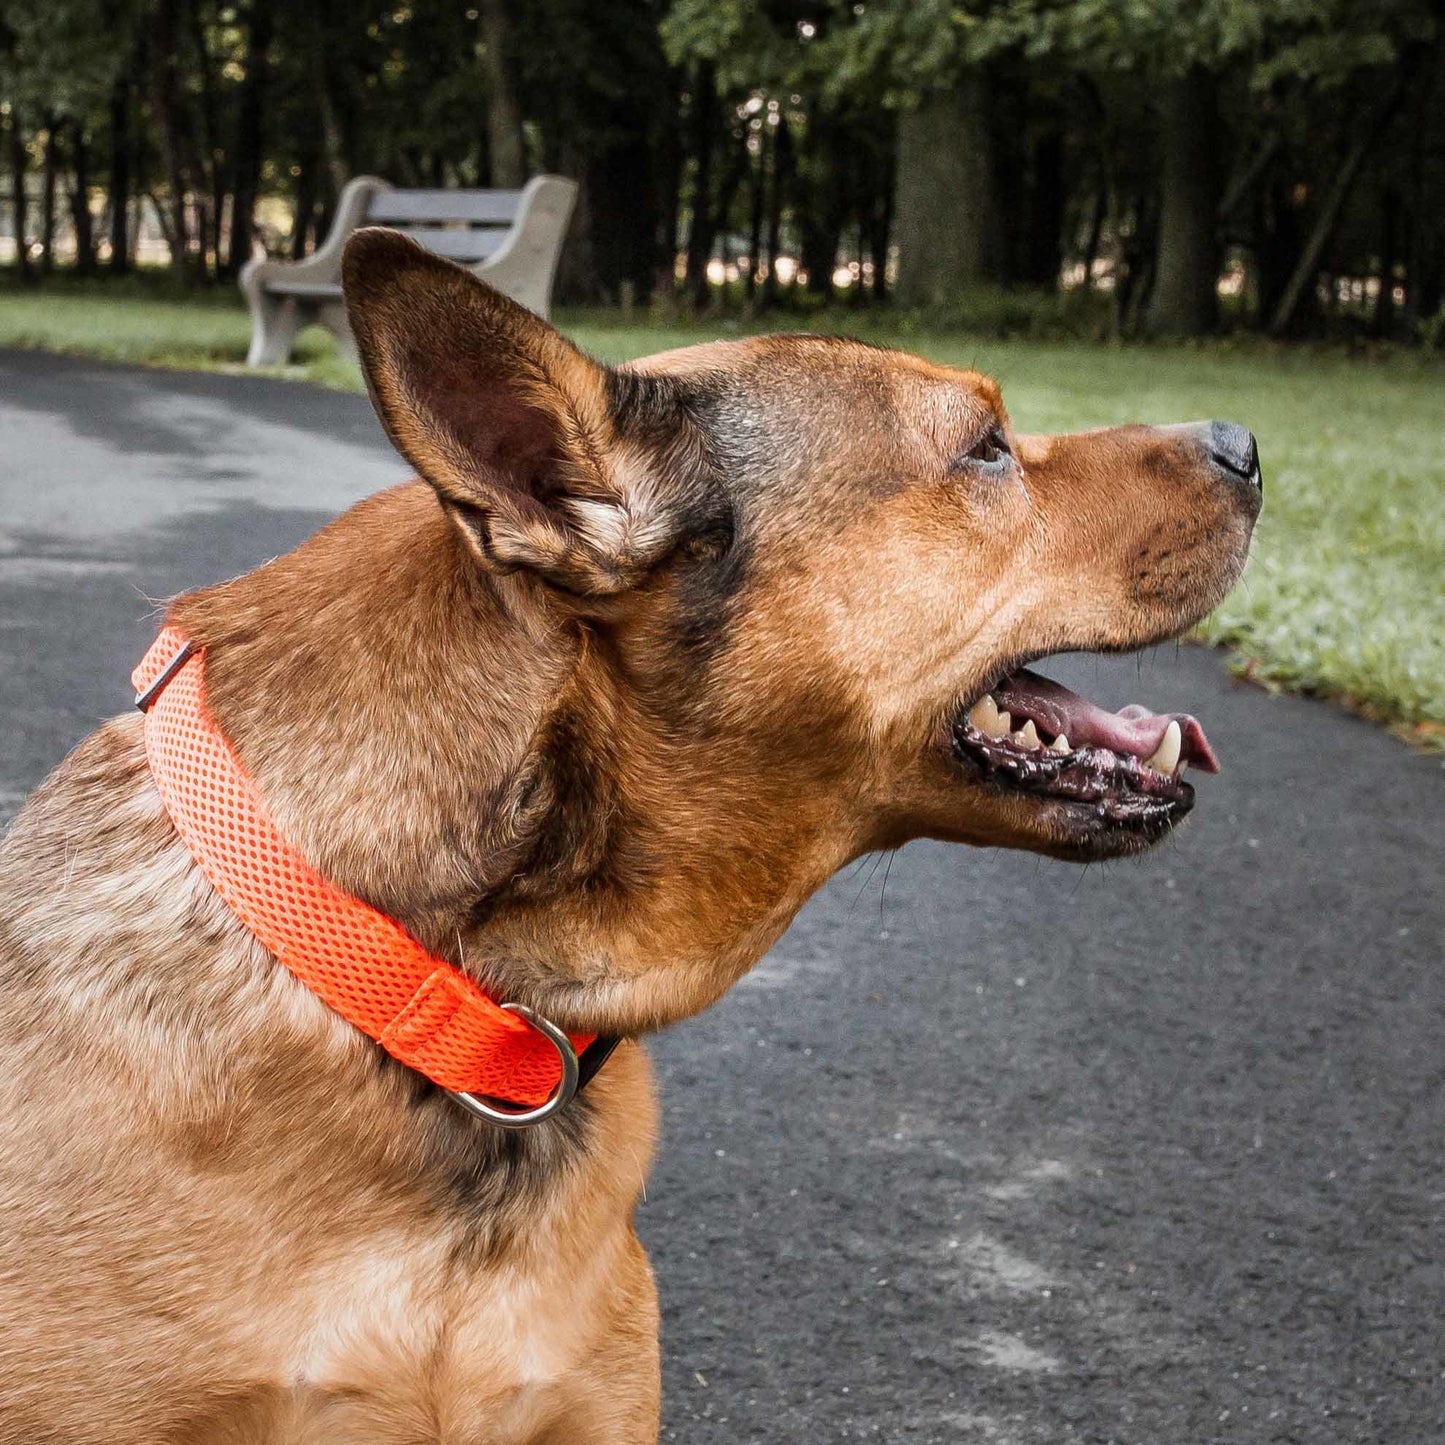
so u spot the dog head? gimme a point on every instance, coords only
(808, 575)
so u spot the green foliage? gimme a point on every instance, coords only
(1327, 43)
(596, 72)
(773, 125)
(60, 56)
(57, 54)
(889, 49)
(901, 48)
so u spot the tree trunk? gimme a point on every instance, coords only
(207, 158)
(777, 194)
(880, 224)
(120, 177)
(165, 219)
(1185, 299)
(700, 232)
(877, 206)
(1431, 287)
(172, 132)
(505, 148)
(305, 203)
(821, 208)
(577, 265)
(1096, 229)
(820, 236)
(1143, 294)
(250, 135)
(1382, 324)
(1247, 177)
(80, 208)
(334, 145)
(47, 195)
(1423, 245)
(757, 210)
(1279, 231)
(1138, 246)
(19, 160)
(739, 167)
(621, 221)
(666, 186)
(945, 201)
(1044, 244)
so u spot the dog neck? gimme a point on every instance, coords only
(447, 744)
(390, 700)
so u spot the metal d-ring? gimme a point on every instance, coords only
(561, 1096)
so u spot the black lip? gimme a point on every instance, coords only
(1112, 789)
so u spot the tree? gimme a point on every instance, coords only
(505, 145)
(1145, 144)
(947, 214)
(606, 103)
(1347, 77)
(250, 149)
(1185, 299)
(809, 156)
(58, 64)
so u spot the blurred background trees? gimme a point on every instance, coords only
(1167, 167)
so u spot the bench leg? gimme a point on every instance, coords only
(333, 317)
(275, 320)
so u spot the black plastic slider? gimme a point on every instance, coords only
(143, 700)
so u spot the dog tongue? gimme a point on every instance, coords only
(1133, 729)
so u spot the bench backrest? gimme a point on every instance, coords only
(460, 225)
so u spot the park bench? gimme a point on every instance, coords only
(509, 238)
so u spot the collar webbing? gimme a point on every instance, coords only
(423, 1010)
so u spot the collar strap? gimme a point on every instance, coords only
(421, 1009)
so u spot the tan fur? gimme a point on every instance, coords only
(473, 704)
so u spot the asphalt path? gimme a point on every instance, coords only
(988, 1148)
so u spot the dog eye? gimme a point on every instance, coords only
(992, 446)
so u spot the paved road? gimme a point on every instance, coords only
(988, 1149)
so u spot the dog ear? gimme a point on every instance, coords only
(509, 422)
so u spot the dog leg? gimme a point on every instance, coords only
(615, 1398)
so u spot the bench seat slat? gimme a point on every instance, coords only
(457, 243)
(297, 286)
(498, 208)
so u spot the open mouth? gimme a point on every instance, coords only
(1126, 768)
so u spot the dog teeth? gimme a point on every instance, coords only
(993, 722)
(1166, 758)
(986, 717)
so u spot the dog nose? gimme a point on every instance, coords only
(1234, 448)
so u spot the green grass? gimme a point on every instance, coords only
(1345, 594)
(209, 333)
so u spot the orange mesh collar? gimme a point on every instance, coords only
(421, 1009)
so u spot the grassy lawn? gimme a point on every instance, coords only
(1345, 595)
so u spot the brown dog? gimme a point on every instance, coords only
(591, 712)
